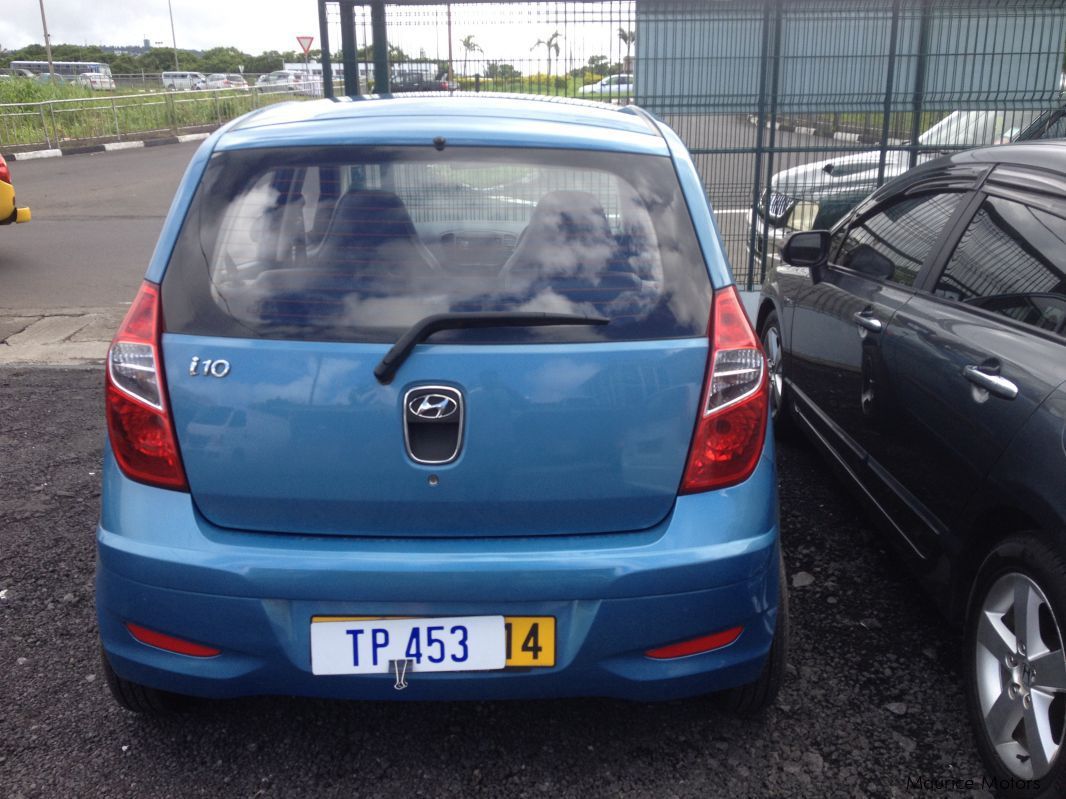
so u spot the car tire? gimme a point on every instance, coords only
(756, 698)
(142, 699)
(774, 347)
(1016, 684)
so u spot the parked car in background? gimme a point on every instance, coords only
(280, 80)
(922, 346)
(410, 78)
(613, 86)
(183, 81)
(9, 211)
(368, 440)
(220, 80)
(95, 80)
(818, 194)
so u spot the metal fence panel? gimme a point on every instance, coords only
(754, 87)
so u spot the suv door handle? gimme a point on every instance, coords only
(864, 320)
(993, 384)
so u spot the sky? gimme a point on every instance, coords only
(503, 32)
(199, 24)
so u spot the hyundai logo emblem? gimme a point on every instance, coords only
(433, 406)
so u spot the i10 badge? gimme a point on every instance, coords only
(208, 367)
(370, 646)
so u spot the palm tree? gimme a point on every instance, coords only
(627, 37)
(551, 44)
(469, 46)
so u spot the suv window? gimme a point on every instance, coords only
(1011, 260)
(893, 243)
(357, 244)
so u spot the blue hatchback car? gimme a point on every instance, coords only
(439, 398)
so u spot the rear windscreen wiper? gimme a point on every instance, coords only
(425, 328)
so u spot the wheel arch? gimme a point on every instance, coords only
(766, 306)
(989, 528)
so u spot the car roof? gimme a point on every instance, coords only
(473, 120)
(969, 166)
(1044, 154)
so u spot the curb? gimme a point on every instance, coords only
(826, 133)
(109, 147)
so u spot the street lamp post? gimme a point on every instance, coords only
(173, 36)
(47, 42)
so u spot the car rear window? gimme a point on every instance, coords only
(358, 244)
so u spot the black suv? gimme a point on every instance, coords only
(922, 344)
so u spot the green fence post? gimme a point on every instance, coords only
(348, 49)
(918, 103)
(759, 145)
(890, 79)
(114, 114)
(44, 127)
(775, 83)
(172, 112)
(55, 127)
(327, 59)
(381, 47)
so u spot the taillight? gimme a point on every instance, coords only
(732, 425)
(138, 421)
(5, 172)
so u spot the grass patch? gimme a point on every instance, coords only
(52, 115)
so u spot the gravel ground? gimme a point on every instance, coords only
(873, 701)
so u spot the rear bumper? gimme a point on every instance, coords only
(709, 566)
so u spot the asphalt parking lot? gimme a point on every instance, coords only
(872, 705)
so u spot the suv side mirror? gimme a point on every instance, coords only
(807, 248)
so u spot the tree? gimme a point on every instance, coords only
(265, 62)
(469, 46)
(551, 44)
(494, 70)
(628, 38)
(222, 59)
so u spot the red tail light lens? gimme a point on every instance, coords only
(696, 646)
(729, 434)
(170, 643)
(138, 422)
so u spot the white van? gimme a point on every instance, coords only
(183, 81)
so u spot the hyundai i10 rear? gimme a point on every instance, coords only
(439, 398)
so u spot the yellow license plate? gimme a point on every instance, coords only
(530, 639)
